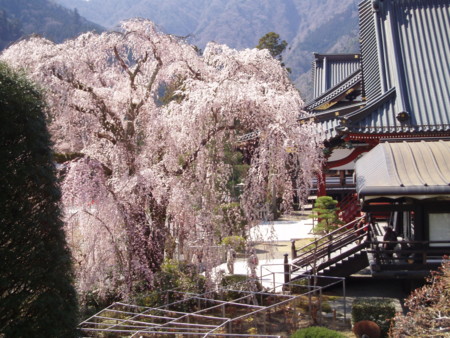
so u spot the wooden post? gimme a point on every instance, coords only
(342, 177)
(322, 184)
(293, 251)
(287, 272)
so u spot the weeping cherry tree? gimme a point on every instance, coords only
(141, 121)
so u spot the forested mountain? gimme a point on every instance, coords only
(44, 17)
(10, 29)
(308, 26)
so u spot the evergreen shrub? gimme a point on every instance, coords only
(327, 213)
(174, 276)
(300, 286)
(37, 296)
(378, 310)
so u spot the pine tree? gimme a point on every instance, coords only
(271, 41)
(37, 298)
(326, 211)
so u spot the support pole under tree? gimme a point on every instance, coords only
(287, 272)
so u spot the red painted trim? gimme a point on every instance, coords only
(372, 138)
(352, 156)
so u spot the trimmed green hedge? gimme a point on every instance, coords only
(378, 310)
(300, 286)
(317, 332)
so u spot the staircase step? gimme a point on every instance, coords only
(338, 254)
(353, 265)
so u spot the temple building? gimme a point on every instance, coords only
(385, 118)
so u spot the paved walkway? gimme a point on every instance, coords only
(283, 230)
(271, 252)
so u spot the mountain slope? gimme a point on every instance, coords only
(23, 17)
(308, 26)
(10, 29)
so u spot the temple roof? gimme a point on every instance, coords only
(405, 169)
(334, 95)
(405, 72)
(329, 70)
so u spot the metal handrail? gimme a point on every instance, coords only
(334, 241)
(330, 235)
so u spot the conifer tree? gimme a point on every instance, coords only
(326, 211)
(37, 298)
(272, 42)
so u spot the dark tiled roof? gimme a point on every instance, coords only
(330, 70)
(330, 120)
(412, 39)
(353, 79)
(405, 46)
(369, 50)
(421, 48)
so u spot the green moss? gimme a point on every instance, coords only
(317, 332)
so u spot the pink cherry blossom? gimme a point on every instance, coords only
(151, 173)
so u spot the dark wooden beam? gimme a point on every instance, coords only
(388, 207)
